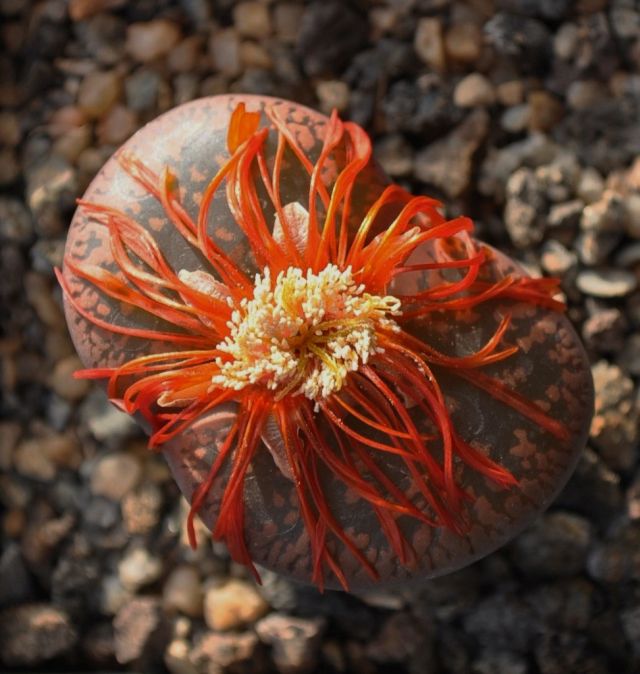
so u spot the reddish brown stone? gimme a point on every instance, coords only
(550, 368)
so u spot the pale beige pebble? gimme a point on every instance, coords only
(10, 433)
(252, 19)
(10, 132)
(590, 186)
(40, 458)
(474, 90)
(286, 19)
(117, 125)
(545, 110)
(333, 94)
(9, 166)
(510, 93)
(62, 381)
(232, 605)
(463, 42)
(429, 44)
(63, 449)
(582, 94)
(254, 55)
(566, 40)
(30, 461)
(224, 50)
(73, 142)
(98, 92)
(182, 591)
(40, 297)
(177, 658)
(607, 283)
(83, 9)
(114, 475)
(147, 41)
(184, 57)
(138, 567)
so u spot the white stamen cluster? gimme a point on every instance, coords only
(303, 334)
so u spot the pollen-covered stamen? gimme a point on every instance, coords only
(303, 334)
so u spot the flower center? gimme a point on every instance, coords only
(303, 334)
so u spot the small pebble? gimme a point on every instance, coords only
(286, 18)
(184, 57)
(182, 592)
(429, 43)
(63, 382)
(232, 605)
(566, 40)
(40, 458)
(140, 632)
(566, 214)
(609, 213)
(510, 93)
(447, 163)
(16, 223)
(556, 259)
(463, 42)
(590, 186)
(117, 125)
(98, 92)
(333, 94)
(583, 94)
(177, 658)
(515, 119)
(138, 567)
(230, 652)
(294, 641)
(114, 475)
(141, 509)
(32, 634)
(474, 90)
(545, 110)
(607, 283)
(224, 49)
(151, 40)
(252, 19)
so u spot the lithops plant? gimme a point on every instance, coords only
(348, 387)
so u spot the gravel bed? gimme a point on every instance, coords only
(525, 115)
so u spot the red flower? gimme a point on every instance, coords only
(316, 350)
